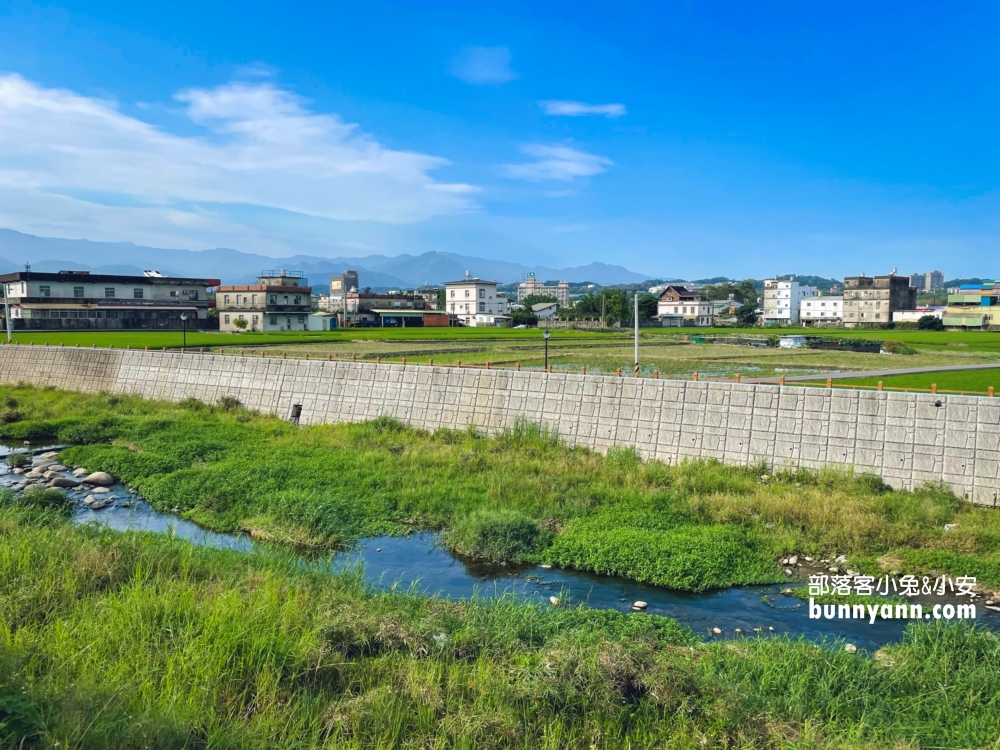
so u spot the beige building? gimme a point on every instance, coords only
(532, 286)
(783, 300)
(475, 302)
(872, 300)
(279, 301)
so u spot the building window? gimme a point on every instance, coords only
(255, 320)
(78, 291)
(482, 293)
(274, 299)
(466, 293)
(137, 293)
(274, 320)
(45, 291)
(192, 293)
(109, 292)
(173, 292)
(302, 318)
(225, 298)
(225, 320)
(482, 307)
(453, 293)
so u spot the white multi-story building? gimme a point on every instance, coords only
(782, 300)
(821, 310)
(475, 302)
(679, 307)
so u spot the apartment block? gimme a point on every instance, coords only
(532, 286)
(476, 302)
(932, 281)
(871, 300)
(82, 300)
(783, 300)
(279, 301)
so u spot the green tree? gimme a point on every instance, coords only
(930, 323)
(746, 314)
(240, 323)
(648, 306)
(535, 299)
(523, 318)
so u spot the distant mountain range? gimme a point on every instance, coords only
(236, 267)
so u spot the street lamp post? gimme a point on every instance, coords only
(184, 328)
(545, 335)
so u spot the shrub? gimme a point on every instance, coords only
(229, 403)
(7, 416)
(897, 347)
(19, 460)
(46, 499)
(930, 323)
(501, 536)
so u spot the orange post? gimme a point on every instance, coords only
(307, 356)
(430, 363)
(781, 380)
(656, 374)
(354, 358)
(404, 360)
(378, 360)
(517, 366)
(933, 387)
(694, 377)
(329, 358)
(989, 391)
(829, 382)
(880, 385)
(284, 355)
(458, 363)
(487, 364)
(736, 378)
(583, 370)
(619, 372)
(548, 369)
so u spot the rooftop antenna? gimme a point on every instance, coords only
(468, 274)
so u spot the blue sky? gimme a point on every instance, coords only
(676, 139)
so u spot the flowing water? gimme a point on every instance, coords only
(418, 561)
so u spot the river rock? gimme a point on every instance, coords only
(840, 558)
(554, 601)
(788, 592)
(30, 489)
(102, 503)
(63, 482)
(639, 605)
(49, 454)
(100, 490)
(834, 569)
(89, 499)
(100, 478)
(34, 474)
(793, 560)
(57, 467)
(851, 648)
(79, 471)
(992, 608)
(737, 630)
(546, 566)
(807, 558)
(717, 631)
(17, 471)
(788, 571)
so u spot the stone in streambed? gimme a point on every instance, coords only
(64, 482)
(79, 471)
(49, 454)
(639, 605)
(100, 478)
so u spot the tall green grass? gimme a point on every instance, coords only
(128, 640)
(520, 496)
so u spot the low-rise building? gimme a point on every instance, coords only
(340, 285)
(783, 300)
(825, 309)
(323, 321)
(914, 316)
(394, 310)
(430, 295)
(476, 302)
(679, 307)
(279, 301)
(81, 300)
(871, 300)
(545, 310)
(974, 306)
(531, 287)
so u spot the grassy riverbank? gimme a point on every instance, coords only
(521, 496)
(130, 640)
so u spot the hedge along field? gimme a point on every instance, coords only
(129, 640)
(519, 497)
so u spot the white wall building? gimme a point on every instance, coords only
(475, 302)
(782, 300)
(821, 310)
(532, 286)
(679, 307)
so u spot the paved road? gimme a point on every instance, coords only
(876, 373)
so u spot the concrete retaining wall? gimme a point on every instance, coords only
(907, 438)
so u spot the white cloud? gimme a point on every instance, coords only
(556, 163)
(483, 65)
(261, 147)
(579, 109)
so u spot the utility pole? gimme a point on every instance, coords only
(6, 305)
(636, 298)
(604, 300)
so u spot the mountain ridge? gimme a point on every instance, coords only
(238, 267)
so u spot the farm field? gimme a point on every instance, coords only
(664, 351)
(975, 381)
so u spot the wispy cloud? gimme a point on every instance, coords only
(261, 147)
(483, 65)
(580, 109)
(561, 163)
